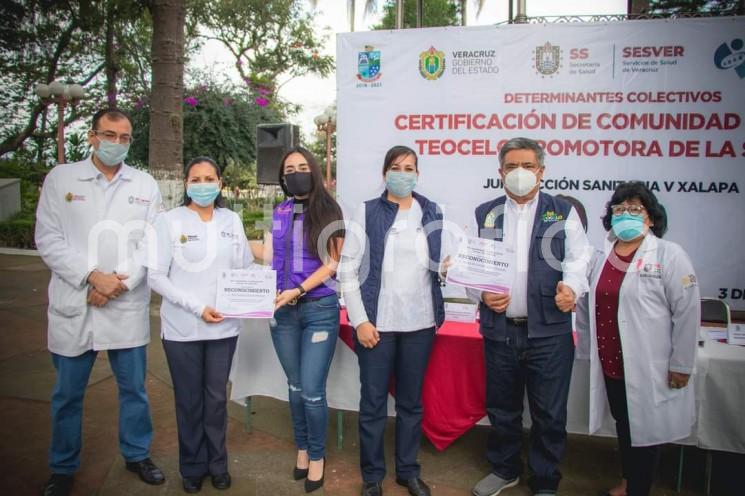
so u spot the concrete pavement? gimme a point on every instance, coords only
(260, 461)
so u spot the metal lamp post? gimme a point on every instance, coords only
(60, 93)
(326, 125)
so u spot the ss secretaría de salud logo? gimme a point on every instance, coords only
(547, 59)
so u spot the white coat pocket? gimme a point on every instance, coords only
(661, 389)
(66, 300)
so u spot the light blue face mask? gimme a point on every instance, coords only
(627, 227)
(400, 184)
(203, 194)
(112, 154)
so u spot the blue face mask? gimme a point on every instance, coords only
(400, 184)
(112, 154)
(627, 227)
(203, 194)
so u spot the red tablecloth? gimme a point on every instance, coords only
(454, 394)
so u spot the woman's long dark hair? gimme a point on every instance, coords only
(219, 201)
(322, 208)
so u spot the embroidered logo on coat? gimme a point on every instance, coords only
(689, 281)
(551, 216)
(70, 197)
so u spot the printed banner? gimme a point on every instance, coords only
(659, 101)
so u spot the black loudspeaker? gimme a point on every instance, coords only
(272, 142)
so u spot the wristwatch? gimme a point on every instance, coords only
(302, 290)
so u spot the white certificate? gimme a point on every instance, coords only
(483, 264)
(246, 293)
(460, 312)
(736, 334)
(713, 333)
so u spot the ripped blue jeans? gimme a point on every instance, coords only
(304, 337)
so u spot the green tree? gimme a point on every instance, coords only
(48, 41)
(436, 13)
(677, 7)
(269, 40)
(239, 176)
(96, 44)
(219, 121)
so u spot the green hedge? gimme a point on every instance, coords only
(17, 233)
(250, 220)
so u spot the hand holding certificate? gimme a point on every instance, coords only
(246, 293)
(483, 264)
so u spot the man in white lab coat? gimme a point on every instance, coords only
(91, 224)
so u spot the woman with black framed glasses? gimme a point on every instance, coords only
(643, 311)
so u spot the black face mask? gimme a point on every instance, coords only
(299, 183)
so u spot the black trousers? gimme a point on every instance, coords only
(638, 463)
(199, 371)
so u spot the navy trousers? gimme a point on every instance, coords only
(199, 371)
(403, 355)
(543, 367)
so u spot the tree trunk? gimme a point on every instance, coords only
(166, 116)
(111, 63)
(636, 7)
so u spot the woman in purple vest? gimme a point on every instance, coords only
(392, 289)
(305, 245)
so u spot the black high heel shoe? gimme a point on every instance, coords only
(299, 473)
(311, 485)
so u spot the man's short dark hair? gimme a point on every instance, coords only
(112, 113)
(522, 144)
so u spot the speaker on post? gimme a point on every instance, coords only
(272, 142)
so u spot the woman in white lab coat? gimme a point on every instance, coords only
(195, 242)
(643, 311)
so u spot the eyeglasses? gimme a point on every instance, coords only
(531, 166)
(633, 209)
(111, 136)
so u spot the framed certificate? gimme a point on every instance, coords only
(246, 293)
(483, 264)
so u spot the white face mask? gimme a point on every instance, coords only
(520, 181)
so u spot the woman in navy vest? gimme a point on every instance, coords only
(305, 247)
(395, 303)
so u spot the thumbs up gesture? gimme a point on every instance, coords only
(565, 297)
